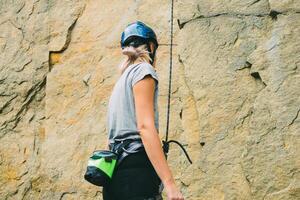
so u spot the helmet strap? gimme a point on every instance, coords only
(152, 55)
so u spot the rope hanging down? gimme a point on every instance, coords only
(166, 142)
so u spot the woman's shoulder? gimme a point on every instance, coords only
(144, 66)
(141, 70)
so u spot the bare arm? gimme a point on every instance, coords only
(144, 104)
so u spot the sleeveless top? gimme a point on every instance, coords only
(121, 116)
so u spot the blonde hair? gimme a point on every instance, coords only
(135, 54)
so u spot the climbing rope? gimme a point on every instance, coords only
(170, 71)
(166, 142)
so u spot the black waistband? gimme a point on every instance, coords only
(136, 160)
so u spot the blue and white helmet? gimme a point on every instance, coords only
(138, 29)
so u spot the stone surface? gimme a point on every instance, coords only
(235, 94)
(285, 5)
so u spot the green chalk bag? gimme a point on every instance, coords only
(100, 167)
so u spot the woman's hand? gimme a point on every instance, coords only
(172, 192)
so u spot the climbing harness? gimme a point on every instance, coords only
(166, 142)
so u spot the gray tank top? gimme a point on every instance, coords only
(121, 117)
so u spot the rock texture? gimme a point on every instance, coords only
(235, 94)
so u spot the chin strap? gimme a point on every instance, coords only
(152, 55)
(166, 142)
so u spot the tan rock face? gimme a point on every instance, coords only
(235, 94)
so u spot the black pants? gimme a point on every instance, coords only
(134, 179)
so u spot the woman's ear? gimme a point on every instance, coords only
(152, 47)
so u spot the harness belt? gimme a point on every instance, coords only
(128, 146)
(125, 147)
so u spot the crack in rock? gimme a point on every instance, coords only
(52, 54)
(65, 46)
(257, 76)
(12, 123)
(65, 193)
(297, 114)
(245, 66)
(238, 15)
(254, 2)
(273, 14)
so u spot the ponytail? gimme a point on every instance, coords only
(139, 53)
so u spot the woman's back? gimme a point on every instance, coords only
(121, 116)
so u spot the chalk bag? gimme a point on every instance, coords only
(100, 167)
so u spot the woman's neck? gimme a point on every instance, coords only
(137, 61)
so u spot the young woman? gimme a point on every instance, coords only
(133, 116)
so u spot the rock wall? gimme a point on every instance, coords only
(235, 94)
